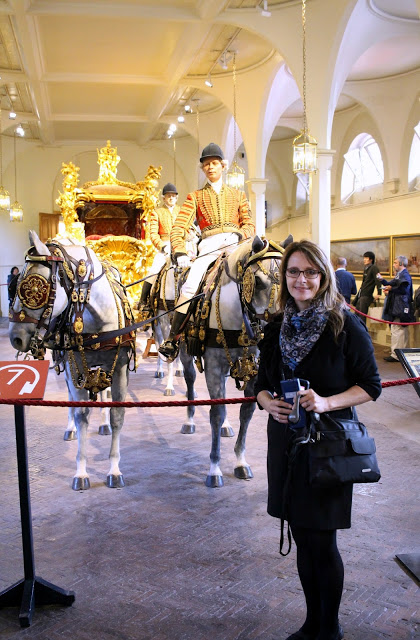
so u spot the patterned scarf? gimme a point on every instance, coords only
(300, 330)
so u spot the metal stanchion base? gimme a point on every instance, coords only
(34, 592)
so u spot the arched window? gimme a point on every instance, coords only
(363, 166)
(414, 161)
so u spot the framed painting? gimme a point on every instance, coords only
(353, 251)
(410, 360)
(408, 246)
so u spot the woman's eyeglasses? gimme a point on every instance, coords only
(293, 272)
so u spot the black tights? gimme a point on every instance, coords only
(321, 573)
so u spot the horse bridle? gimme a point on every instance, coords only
(37, 292)
(246, 275)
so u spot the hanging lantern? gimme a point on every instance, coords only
(4, 199)
(235, 177)
(16, 211)
(304, 153)
(304, 145)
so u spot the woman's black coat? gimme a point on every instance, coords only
(332, 366)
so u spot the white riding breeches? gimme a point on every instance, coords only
(209, 249)
(158, 262)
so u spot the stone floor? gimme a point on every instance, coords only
(167, 558)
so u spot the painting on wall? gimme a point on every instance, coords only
(353, 251)
(408, 246)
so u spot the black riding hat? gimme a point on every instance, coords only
(212, 151)
(169, 188)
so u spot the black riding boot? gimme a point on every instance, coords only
(145, 292)
(170, 349)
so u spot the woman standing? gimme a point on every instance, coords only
(314, 338)
(12, 280)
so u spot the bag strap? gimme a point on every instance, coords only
(289, 539)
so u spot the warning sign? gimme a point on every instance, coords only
(23, 380)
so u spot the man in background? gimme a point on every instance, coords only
(364, 297)
(399, 305)
(345, 280)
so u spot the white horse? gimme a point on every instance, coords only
(104, 428)
(248, 288)
(66, 295)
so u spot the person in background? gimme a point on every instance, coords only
(161, 221)
(364, 298)
(317, 339)
(224, 218)
(399, 305)
(345, 280)
(12, 280)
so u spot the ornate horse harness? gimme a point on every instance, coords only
(65, 333)
(199, 335)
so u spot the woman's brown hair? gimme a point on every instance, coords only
(327, 292)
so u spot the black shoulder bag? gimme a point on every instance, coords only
(340, 452)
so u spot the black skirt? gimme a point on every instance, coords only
(304, 506)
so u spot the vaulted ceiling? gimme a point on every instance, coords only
(98, 69)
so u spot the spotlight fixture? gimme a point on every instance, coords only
(187, 108)
(181, 118)
(172, 127)
(264, 10)
(20, 130)
(223, 62)
(208, 81)
(12, 115)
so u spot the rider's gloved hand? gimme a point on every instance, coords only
(183, 261)
(166, 249)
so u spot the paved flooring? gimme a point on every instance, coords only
(167, 558)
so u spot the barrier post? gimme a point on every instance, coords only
(31, 590)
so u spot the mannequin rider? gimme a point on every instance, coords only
(224, 218)
(161, 221)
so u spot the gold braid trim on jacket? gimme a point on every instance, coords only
(226, 212)
(161, 221)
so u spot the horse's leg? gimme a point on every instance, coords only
(179, 369)
(158, 336)
(81, 418)
(243, 470)
(105, 427)
(115, 478)
(226, 431)
(170, 391)
(190, 375)
(71, 431)
(215, 373)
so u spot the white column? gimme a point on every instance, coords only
(320, 200)
(256, 188)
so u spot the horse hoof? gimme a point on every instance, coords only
(188, 428)
(214, 482)
(179, 374)
(227, 432)
(70, 435)
(243, 473)
(115, 482)
(104, 430)
(169, 392)
(80, 484)
(159, 374)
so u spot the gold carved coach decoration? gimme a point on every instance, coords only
(112, 216)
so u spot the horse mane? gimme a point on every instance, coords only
(233, 258)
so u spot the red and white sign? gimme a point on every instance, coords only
(23, 379)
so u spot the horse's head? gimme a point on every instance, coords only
(255, 265)
(39, 297)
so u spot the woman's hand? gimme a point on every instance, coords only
(276, 407)
(311, 401)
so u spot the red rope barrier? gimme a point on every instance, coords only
(163, 403)
(402, 324)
